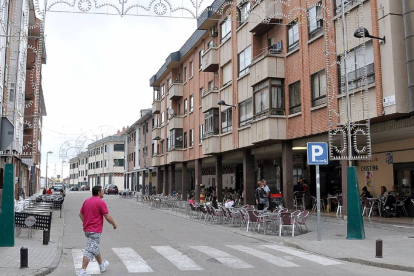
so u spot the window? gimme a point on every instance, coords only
(185, 106)
(169, 113)
(106, 148)
(226, 120)
(191, 138)
(210, 85)
(169, 82)
(244, 12)
(294, 98)
(211, 122)
(315, 20)
(119, 147)
(175, 140)
(156, 95)
(201, 134)
(191, 69)
(293, 35)
(201, 92)
(225, 29)
(245, 112)
(162, 147)
(200, 58)
(191, 103)
(226, 74)
(118, 162)
(245, 58)
(185, 74)
(185, 139)
(318, 88)
(355, 67)
(268, 96)
(162, 90)
(210, 44)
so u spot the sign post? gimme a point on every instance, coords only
(318, 155)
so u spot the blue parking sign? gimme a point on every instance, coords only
(317, 153)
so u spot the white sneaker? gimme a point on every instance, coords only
(103, 265)
(83, 273)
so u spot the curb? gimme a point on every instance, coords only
(56, 260)
(355, 260)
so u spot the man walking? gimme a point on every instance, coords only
(92, 212)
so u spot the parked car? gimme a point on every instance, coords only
(85, 188)
(111, 189)
(57, 187)
(74, 188)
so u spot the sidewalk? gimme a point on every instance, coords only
(43, 259)
(398, 240)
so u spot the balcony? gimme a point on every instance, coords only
(210, 60)
(268, 128)
(156, 107)
(156, 160)
(211, 145)
(267, 65)
(175, 156)
(210, 99)
(175, 122)
(156, 131)
(175, 91)
(263, 14)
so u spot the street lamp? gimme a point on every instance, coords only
(221, 102)
(362, 32)
(47, 155)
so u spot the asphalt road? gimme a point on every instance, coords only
(151, 242)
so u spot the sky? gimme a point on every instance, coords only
(96, 79)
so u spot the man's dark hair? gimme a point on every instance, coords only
(96, 190)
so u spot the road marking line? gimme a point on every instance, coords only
(181, 261)
(223, 257)
(132, 260)
(264, 256)
(93, 267)
(303, 255)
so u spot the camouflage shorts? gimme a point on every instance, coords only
(92, 245)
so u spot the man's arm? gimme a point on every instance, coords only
(81, 216)
(110, 220)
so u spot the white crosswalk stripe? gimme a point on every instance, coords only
(133, 262)
(93, 267)
(303, 255)
(181, 261)
(264, 256)
(223, 257)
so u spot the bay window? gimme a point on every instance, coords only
(175, 139)
(211, 126)
(268, 98)
(245, 112)
(226, 120)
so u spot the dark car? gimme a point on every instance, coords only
(111, 189)
(74, 188)
(84, 188)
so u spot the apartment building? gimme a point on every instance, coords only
(23, 104)
(273, 78)
(139, 173)
(78, 170)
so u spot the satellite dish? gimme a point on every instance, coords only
(171, 111)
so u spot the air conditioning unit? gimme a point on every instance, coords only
(213, 31)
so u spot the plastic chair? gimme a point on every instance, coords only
(287, 221)
(314, 205)
(302, 220)
(401, 204)
(299, 200)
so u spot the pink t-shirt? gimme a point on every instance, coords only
(93, 210)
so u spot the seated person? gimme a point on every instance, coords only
(191, 201)
(229, 203)
(49, 192)
(384, 193)
(366, 193)
(44, 192)
(299, 186)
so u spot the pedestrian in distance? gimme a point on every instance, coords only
(260, 199)
(267, 192)
(93, 211)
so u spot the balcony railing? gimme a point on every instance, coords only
(210, 60)
(270, 112)
(175, 91)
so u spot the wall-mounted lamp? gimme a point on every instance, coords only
(157, 138)
(362, 32)
(221, 102)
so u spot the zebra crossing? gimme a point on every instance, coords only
(134, 263)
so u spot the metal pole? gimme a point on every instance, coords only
(318, 202)
(47, 182)
(348, 105)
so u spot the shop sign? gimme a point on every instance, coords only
(369, 168)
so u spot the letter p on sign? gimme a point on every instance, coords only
(317, 153)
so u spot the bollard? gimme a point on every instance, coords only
(24, 257)
(46, 237)
(378, 249)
